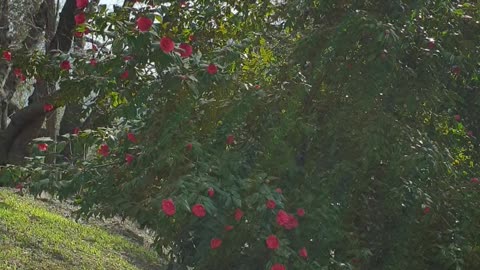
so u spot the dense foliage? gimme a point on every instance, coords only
(345, 130)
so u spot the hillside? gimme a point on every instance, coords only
(32, 237)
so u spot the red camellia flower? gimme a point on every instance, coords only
(81, 4)
(300, 212)
(144, 24)
(167, 45)
(228, 228)
(272, 242)
(303, 253)
(18, 72)
(7, 56)
(48, 107)
(183, 4)
(124, 75)
(278, 266)
(191, 38)
(42, 147)
(168, 207)
(75, 131)
(426, 210)
(230, 139)
(80, 18)
(129, 158)
(286, 220)
(238, 214)
(93, 62)
(215, 243)
(211, 192)
(65, 65)
(186, 50)
(431, 44)
(282, 218)
(19, 186)
(474, 180)
(189, 147)
(131, 137)
(78, 34)
(104, 150)
(456, 70)
(212, 69)
(457, 117)
(292, 223)
(271, 204)
(198, 210)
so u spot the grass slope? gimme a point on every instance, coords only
(31, 237)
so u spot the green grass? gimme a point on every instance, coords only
(31, 237)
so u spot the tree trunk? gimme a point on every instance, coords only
(4, 43)
(26, 123)
(4, 115)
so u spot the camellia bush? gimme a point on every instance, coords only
(273, 135)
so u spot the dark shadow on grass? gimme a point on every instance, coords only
(139, 261)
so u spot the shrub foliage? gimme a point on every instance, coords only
(344, 129)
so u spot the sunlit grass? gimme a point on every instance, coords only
(34, 238)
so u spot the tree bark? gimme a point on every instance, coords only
(4, 24)
(8, 82)
(62, 40)
(35, 33)
(25, 124)
(51, 122)
(13, 140)
(4, 115)
(4, 43)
